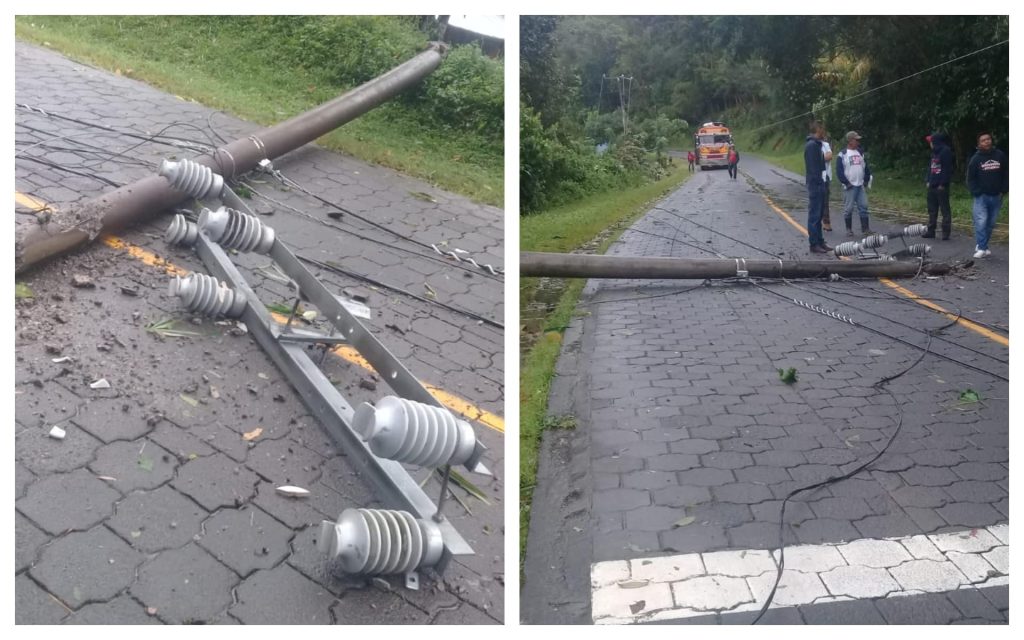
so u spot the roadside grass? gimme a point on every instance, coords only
(901, 194)
(255, 82)
(562, 230)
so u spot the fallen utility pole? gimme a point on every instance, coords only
(146, 197)
(572, 265)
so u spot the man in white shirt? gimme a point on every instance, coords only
(826, 150)
(853, 172)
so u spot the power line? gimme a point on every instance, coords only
(888, 84)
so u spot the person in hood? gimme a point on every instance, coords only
(988, 180)
(853, 173)
(814, 164)
(940, 172)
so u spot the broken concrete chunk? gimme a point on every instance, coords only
(100, 384)
(57, 433)
(82, 282)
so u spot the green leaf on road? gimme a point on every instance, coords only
(21, 290)
(146, 464)
(969, 396)
(682, 522)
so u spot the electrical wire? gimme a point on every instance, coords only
(881, 387)
(888, 84)
(746, 244)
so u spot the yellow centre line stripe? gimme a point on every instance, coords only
(346, 352)
(967, 324)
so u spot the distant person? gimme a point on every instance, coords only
(853, 172)
(988, 180)
(940, 172)
(826, 150)
(691, 158)
(814, 164)
(734, 160)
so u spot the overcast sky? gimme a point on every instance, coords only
(488, 25)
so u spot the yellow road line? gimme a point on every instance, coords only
(345, 352)
(967, 324)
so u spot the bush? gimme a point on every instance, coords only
(468, 92)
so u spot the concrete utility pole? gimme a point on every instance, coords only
(148, 196)
(572, 265)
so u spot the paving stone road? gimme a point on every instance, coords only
(688, 440)
(154, 509)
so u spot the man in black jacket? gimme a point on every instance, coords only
(814, 164)
(988, 180)
(940, 171)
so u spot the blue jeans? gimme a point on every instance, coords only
(815, 206)
(986, 209)
(855, 197)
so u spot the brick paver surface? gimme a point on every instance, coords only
(688, 440)
(154, 507)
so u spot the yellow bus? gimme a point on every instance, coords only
(711, 145)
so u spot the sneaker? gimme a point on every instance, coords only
(825, 246)
(826, 227)
(866, 232)
(987, 253)
(820, 249)
(945, 237)
(980, 253)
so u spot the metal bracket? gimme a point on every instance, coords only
(391, 481)
(412, 581)
(741, 273)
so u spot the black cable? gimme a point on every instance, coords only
(880, 386)
(746, 244)
(330, 266)
(902, 324)
(54, 165)
(904, 341)
(705, 283)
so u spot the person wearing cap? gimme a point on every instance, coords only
(940, 172)
(853, 173)
(988, 180)
(814, 164)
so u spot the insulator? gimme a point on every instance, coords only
(847, 248)
(413, 432)
(208, 296)
(181, 231)
(914, 230)
(233, 229)
(196, 180)
(380, 541)
(874, 241)
(919, 250)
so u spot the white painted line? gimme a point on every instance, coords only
(697, 584)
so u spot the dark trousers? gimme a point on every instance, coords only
(815, 201)
(939, 199)
(691, 166)
(732, 170)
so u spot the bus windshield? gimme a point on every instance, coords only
(715, 139)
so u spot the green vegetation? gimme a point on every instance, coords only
(448, 130)
(599, 219)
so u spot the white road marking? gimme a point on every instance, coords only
(697, 584)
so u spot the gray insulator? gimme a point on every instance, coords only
(181, 231)
(413, 432)
(233, 229)
(874, 241)
(380, 541)
(847, 249)
(196, 180)
(914, 230)
(207, 296)
(919, 250)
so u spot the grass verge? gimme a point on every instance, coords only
(562, 230)
(217, 67)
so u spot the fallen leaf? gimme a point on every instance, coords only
(22, 290)
(682, 522)
(136, 534)
(189, 399)
(252, 435)
(146, 464)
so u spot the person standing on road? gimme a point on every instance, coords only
(734, 160)
(988, 180)
(690, 158)
(853, 172)
(814, 164)
(940, 171)
(826, 150)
